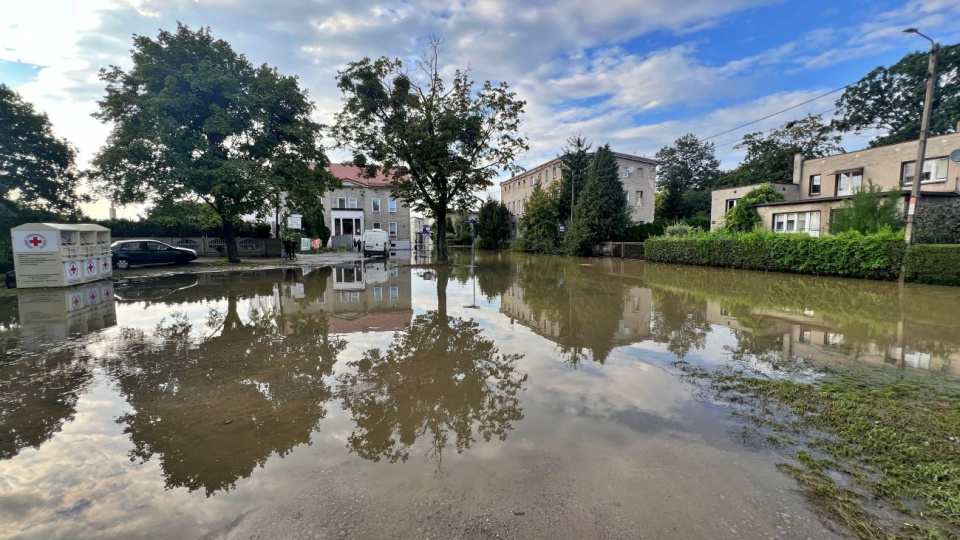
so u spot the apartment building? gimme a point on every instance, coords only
(364, 203)
(636, 173)
(820, 185)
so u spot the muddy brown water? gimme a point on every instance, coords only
(531, 397)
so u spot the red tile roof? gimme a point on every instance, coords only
(354, 174)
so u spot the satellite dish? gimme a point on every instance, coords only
(630, 169)
(955, 155)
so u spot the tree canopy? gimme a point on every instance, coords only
(540, 225)
(601, 211)
(195, 120)
(574, 163)
(890, 99)
(769, 156)
(690, 165)
(440, 142)
(37, 169)
(493, 225)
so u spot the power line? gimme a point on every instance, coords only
(831, 109)
(741, 126)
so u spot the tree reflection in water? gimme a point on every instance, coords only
(441, 381)
(38, 395)
(680, 321)
(216, 404)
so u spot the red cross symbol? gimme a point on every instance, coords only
(93, 296)
(106, 294)
(90, 266)
(73, 269)
(36, 241)
(76, 301)
(105, 264)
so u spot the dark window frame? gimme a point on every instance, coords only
(819, 185)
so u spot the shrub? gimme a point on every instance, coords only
(848, 255)
(869, 211)
(743, 217)
(679, 230)
(934, 264)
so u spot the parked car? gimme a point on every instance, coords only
(127, 253)
(376, 241)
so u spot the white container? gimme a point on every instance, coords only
(59, 254)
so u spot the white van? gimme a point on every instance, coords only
(376, 242)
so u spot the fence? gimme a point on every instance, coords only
(217, 247)
(621, 250)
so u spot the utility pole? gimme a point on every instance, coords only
(922, 142)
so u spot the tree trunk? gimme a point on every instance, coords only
(441, 217)
(233, 254)
(443, 277)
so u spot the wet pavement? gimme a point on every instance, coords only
(531, 397)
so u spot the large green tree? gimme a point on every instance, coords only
(540, 225)
(439, 142)
(195, 120)
(37, 169)
(890, 99)
(574, 163)
(493, 225)
(601, 212)
(869, 211)
(769, 156)
(689, 165)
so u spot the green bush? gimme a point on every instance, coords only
(848, 255)
(934, 264)
(743, 217)
(680, 230)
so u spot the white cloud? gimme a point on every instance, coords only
(567, 58)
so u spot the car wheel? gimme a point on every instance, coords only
(122, 264)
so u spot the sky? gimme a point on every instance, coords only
(636, 74)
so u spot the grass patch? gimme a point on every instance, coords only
(867, 440)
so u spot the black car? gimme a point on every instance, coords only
(127, 253)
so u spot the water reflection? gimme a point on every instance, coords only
(184, 386)
(41, 375)
(441, 379)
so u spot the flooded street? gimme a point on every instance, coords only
(532, 397)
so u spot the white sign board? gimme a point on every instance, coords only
(36, 242)
(295, 221)
(304, 244)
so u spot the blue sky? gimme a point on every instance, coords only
(634, 73)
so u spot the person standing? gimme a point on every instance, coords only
(293, 249)
(286, 247)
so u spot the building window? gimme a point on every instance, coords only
(626, 195)
(797, 222)
(731, 203)
(814, 184)
(394, 292)
(352, 202)
(393, 228)
(376, 205)
(376, 224)
(624, 172)
(640, 198)
(640, 172)
(378, 293)
(341, 202)
(849, 182)
(392, 206)
(934, 170)
(554, 172)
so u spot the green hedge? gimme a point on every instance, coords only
(847, 255)
(934, 264)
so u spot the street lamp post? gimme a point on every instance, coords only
(922, 142)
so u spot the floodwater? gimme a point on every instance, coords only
(533, 397)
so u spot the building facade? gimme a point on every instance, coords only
(820, 185)
(636, 173)
(722, 200)
(362, 204)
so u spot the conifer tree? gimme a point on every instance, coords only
(601, 210)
